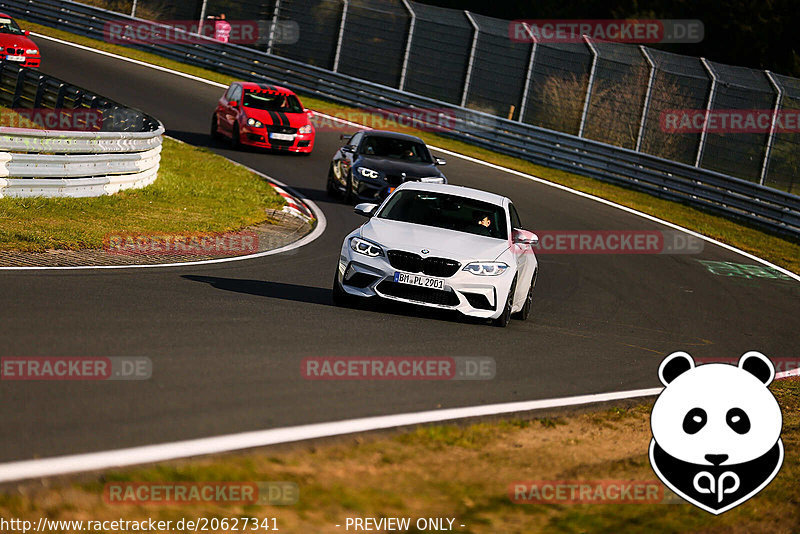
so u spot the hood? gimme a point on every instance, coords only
(461, 246)
(8, 40)
(396, 167)
(277, 118)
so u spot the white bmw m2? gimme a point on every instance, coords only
(442, 246)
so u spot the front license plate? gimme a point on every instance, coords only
(20, 59)
(281, 137)
(419, 280)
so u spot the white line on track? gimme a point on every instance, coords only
(62, 465)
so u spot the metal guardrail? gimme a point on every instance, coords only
(709, 190)
(120, 150)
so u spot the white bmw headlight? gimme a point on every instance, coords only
(305, 129)
(367, 248)
(256, 124)
(368, 173)
(486, 268)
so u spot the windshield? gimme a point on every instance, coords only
(272, 102)
(8, 25)
(392, 148)
(447, 211)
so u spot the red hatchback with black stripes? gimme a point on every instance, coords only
(263, 115)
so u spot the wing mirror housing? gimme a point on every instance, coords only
(440, 161)
(366, 209)
(233, 104)
(524, 237)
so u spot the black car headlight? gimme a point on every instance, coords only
(367, 248)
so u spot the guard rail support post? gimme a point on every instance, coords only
(339, 41)
(589, 86)
(62, 91)
(709, 104)
(409, 39)
(199, 22)
(468, 76)
(771, 138)
(274, 27)
(523, 106)
(647, 96)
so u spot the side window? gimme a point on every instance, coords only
(229, 93)
(356, 139)
(515, 222)
(237, 94)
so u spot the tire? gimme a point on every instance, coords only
(348, 188)
(330, 186)
(215, 135)
(505, 317)
(340, 297)
(525, 312)
(235, 142)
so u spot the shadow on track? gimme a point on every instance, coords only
(263, 288)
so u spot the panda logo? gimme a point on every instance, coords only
(716, 430)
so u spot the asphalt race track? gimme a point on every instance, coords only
(226, 340)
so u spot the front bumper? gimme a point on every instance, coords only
(258, 137)
(469, 294)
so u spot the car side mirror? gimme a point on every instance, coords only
(348, 148)
(308, 112)
(345, 137)
(27, 33)
(366, 209)
(524, 237)
(440, 161)
(234, 104)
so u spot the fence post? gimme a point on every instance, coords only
(468, 77)
(199, 23)
(529, 76)
(771, 138)
(648, 94)
(274, 27)
(410, 37)
(341, 36)
(133, 8)
(702, 144)
(589, 86)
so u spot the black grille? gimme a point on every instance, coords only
(393, 179)
(414, 263)
(17, 51)
(418, 294)
(281, 129)
(361, 280)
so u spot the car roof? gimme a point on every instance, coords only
(458, 190)
(393, 135)
(253, 86)
(6, 16)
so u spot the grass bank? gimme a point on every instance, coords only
(196, 191)
(448, 471)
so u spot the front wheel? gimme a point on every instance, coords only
(235, 140)
(505, 317)
(214, 128)
(340, 296)
(526, 307)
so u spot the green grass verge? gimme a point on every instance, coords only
(196, 191)
(460, 472)
(765, 245)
